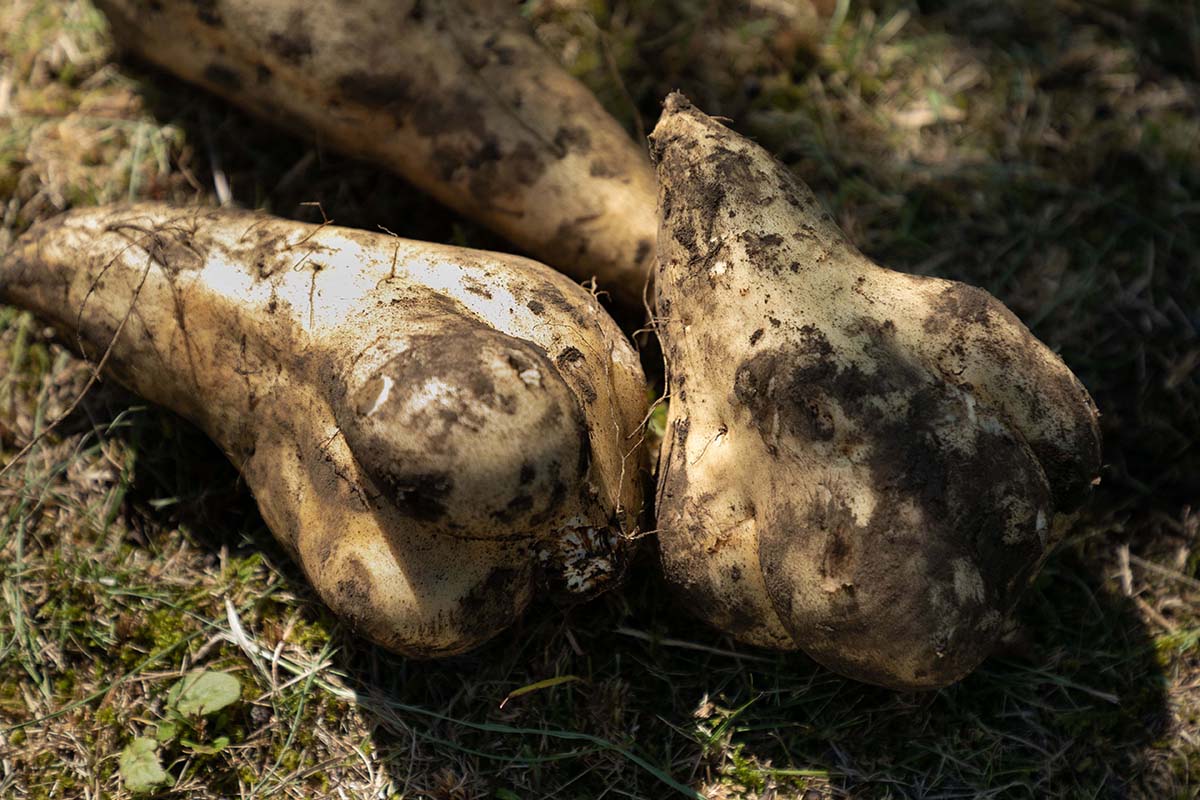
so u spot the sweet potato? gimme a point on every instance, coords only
(432, 432)
(866, 465)
(455, 96)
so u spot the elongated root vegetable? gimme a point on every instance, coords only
(859, 463)
(455, 95)
(432, 432)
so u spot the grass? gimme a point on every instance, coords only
(1049, 152)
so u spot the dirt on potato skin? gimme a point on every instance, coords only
(851, 399)
(1070, 455)
(957, 496)
(231, 319)
(456, 97)
(556, 454)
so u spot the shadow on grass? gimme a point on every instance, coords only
(1075, 708)
(1063, 181)
(1078, 705)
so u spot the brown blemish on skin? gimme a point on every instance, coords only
(390, 93)
(784, 397)
(521, 504)
(293, 44)
(674, 481)
(224, 77)
(569, 355)
(572, 239)
(645, 246)
(555, 298)
(206, 12)
(572, 138)
(558, 496)
(526, 163)
(355, 590)
(454, 122)
(476, 288)
(760, 241)
(836, 521)
(502, 54)
(960, 305)
(599, 169)
(325, 550)
(571, 362)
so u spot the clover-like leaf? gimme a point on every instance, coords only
(204, 692)
(199, 748)
(166, 732)
(139, 766)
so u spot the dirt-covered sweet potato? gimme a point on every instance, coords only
(433, 432)
(454, 95)
(859, 463)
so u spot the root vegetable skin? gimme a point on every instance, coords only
(433, 432)
(863, 464)
(456, 96)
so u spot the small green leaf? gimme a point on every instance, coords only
(139, 766)
(204, 692)
(166, 732)
(505, 794)
(218, 744)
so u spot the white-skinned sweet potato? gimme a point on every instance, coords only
(456, 96)
(433, 432)
(863, 464)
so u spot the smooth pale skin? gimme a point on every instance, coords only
(433, 432)
(865, 465)
(454, 95)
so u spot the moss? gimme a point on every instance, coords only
(64, 684)
(311, 637)
(321, 782)
(107, 716)
(164, 627)
(744, 770)
(289, 760)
